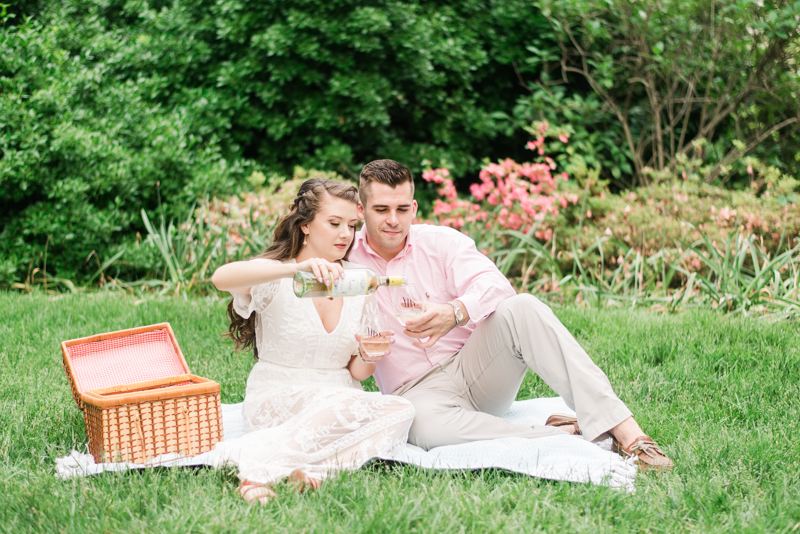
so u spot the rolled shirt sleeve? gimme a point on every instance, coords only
(473, 277)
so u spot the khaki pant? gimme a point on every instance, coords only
(463, 398)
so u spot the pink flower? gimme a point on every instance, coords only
(449, 190)
(440, 207)
(543, 127)
(477, 192)
(563, 138)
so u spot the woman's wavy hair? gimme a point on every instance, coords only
(287, 241)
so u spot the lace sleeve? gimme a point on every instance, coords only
(259, 298)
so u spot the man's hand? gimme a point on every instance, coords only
(436, 321)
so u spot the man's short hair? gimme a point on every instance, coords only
(383, 171)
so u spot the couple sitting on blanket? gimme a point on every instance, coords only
(306, 412)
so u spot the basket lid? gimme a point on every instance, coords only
(124, 357)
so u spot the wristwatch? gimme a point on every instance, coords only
(458, 312)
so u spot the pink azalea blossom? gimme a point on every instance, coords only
(543, 127)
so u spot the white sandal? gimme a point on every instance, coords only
(253, 491)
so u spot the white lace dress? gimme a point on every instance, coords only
(302, 407)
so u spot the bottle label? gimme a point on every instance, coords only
(355, 282)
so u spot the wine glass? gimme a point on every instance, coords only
(407, 302)
(374, 343)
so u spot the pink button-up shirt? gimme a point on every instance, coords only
(446, 265)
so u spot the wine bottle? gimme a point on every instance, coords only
(355, 282)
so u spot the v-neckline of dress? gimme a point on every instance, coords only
(319, 317)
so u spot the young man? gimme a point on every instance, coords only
(462, 361)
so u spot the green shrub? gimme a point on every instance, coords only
(644, 84)
(83, 152)
(109, 105)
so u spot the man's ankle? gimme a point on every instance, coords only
(627, 431)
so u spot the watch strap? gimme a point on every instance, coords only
(459, 314)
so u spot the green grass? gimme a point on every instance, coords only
(719, 393)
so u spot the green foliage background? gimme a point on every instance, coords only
(108, 107)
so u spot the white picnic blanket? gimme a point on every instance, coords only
(569, 458)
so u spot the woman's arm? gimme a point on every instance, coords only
(240, 276)
(359, 369)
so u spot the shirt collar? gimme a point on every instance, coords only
(361, 241)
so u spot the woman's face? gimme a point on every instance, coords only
(330, 233)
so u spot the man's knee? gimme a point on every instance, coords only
(431, 426)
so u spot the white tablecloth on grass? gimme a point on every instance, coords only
(569, 458)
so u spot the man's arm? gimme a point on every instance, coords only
(474, 283)
(474, 279)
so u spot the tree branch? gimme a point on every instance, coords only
(735, 153)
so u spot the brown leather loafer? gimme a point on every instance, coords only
(562, 419)
(648, 455)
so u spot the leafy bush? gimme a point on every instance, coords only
(83, 152)
(665, 245)
(179, 255)
(109, 105)
(647, 84)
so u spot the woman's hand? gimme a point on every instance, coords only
(363, 367)
(325, 271)
(385, 334)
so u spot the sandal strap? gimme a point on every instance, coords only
(246, 489)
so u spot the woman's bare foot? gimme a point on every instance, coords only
(303, 481)
(254, 491)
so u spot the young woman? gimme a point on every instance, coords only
(306, 411)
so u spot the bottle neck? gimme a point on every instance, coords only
(391, 280)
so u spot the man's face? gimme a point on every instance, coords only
(388, 216)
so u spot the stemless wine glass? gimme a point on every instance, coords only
(407, 302)
(375, 346)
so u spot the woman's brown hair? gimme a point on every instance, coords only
(287, 241)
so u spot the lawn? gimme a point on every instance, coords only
(720, 394)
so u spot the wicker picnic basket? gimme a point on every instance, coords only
(138, 398)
